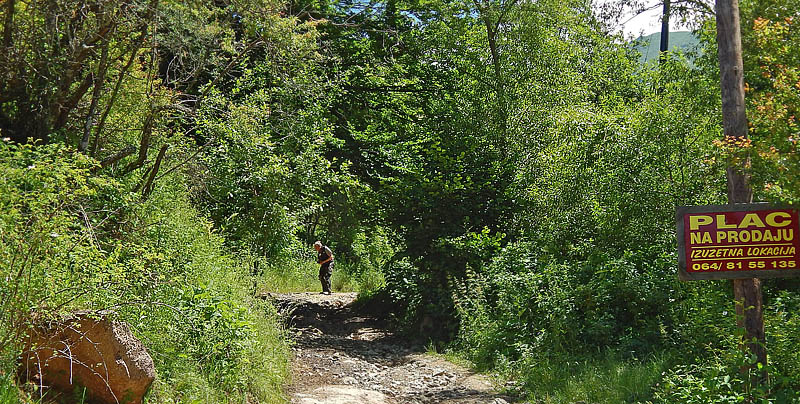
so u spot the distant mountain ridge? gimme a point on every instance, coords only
(649, 45)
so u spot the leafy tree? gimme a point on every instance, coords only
(773, 73)
(57, 60)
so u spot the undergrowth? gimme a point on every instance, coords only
(300, 274)
(617, 330)
(72, 241)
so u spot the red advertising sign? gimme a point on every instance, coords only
(738, 241)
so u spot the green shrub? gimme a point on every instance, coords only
(532, 316)
(51, 258)
(720, 381)
(288, 273)
(782, 322)
(589, 305)
(75, 240)
(405, 289)
(9, 393)
(372, 251)
(215, 342)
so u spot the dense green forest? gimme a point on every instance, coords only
(506, 170)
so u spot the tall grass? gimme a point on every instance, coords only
(293, 274)
(215, 342)
(157, 263)
(287, 275)
(602, 379)
(9, 394)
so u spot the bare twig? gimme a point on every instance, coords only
(146, 302)
(99, 82)
(144, 143)
(198, 151)
(92, 235)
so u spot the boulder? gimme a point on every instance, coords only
(92, 351)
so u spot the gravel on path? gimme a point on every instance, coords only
(342, 356)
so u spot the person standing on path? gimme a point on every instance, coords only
(325, 261)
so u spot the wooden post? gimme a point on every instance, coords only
(747, 292)
(664, 45)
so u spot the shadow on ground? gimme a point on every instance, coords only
(343, 354)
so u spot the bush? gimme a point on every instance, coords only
(75, 240)
(214, 341)
(519, 302)
(720, 381)
(565, 326)
(50, 257)
(405, 289)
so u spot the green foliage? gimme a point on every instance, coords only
(49, 63)
(781, 322)
(216, 331)
(49, 254)
(72, 241)
(519, 304)
(288, 274)
(716, 382)
(372, 251)
(596, 379)
(213, 341)
(503, 174)
(774, 98)
(9, 393)
(271, 186)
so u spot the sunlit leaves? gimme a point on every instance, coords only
(774, 105)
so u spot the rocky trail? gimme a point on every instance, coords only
(344, 356)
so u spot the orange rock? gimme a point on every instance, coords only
(91, 351)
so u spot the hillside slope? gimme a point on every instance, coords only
(648, 45)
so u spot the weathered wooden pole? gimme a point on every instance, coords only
(747, 292)
(664, 45)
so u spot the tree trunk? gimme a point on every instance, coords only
(100, 125)
(96, 94)
(148, 186)
(499, 86)
(134, 51)
(747, 292)
(8, 26)
(144, 143)
(664, 46)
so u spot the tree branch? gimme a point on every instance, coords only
(391, 89)
(115, 158)
(185, 161)
(8, 26)
(148, 186)
(144, 144)
(65, 106)
(114, 93)
(100, 79)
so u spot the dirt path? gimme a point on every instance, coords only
(342, 356)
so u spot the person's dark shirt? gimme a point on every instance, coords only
(323, 254)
